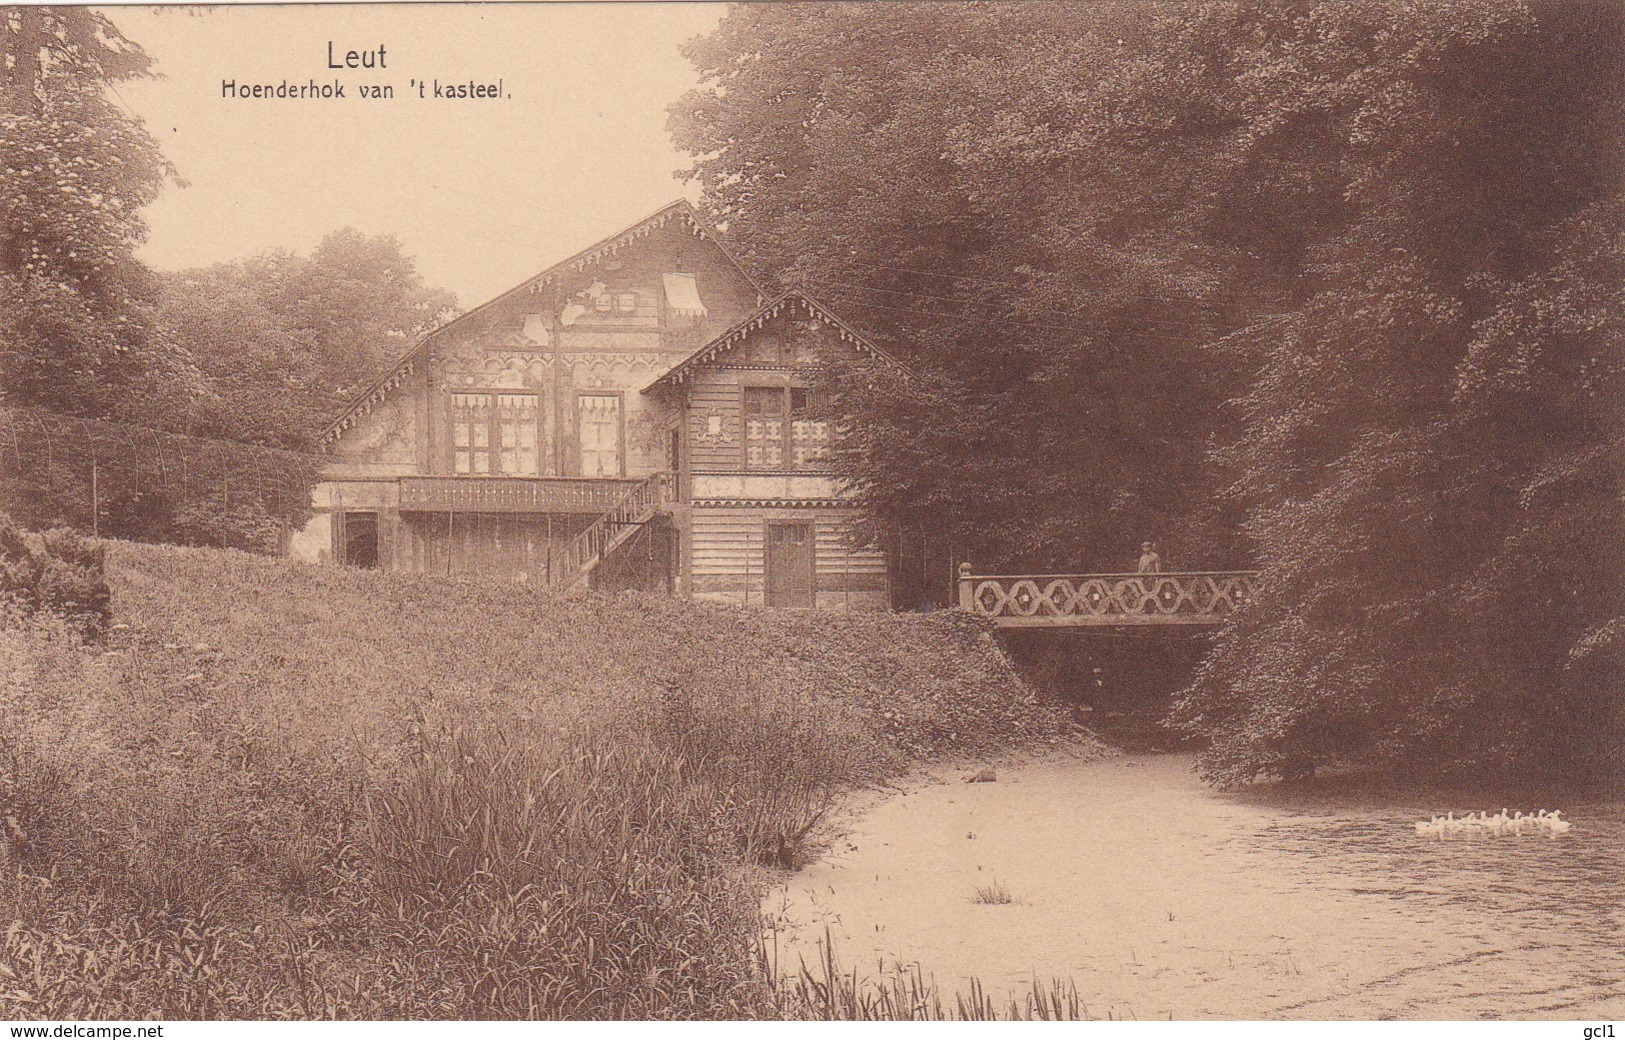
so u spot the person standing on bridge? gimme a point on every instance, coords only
(1150, 562)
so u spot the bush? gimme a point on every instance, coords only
(58, 575)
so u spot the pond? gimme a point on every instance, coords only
(1159, 897)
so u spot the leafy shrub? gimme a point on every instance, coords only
(58, 575)
(20, 567)
(240, 523)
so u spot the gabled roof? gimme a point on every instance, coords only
(364, 402)
(732, 338)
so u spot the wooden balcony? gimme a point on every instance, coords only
(591, 495)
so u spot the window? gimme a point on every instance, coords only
(784, 429)
(683, 297)
(809, 429)
(764, 427)
(626, 302)
(494, 434)
(599, 423)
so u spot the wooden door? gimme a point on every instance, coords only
(789, 564)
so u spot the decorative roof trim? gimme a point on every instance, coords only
(681, 209)
(370, 398)
(611, 246)
(740, 332)
(772, 503)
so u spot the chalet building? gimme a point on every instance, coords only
(640, 414)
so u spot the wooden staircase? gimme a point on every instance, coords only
(571, 569)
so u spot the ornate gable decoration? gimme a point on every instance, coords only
(801, 308)
(611, 247)
(603, 251)
(370, 398)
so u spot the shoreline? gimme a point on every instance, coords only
(1156, 896)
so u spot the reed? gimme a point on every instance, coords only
(288, 792)
(827, 991)
(994, 893)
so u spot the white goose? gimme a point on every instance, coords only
(1501, 823)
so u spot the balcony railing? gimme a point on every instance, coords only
(512, 494)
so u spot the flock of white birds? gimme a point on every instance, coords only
(1550, 823)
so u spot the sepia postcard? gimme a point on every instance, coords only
(1073, 510)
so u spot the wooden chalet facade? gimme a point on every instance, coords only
(640, 414)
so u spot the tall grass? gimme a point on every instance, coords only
(994, 893)
(572, 879)
(283, 791)
(830, 992)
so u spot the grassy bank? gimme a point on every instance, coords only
(282, 790)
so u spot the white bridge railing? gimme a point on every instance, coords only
(1078, 600)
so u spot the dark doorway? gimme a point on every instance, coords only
(789, 564)
(359, 532)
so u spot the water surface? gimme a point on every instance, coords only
(1160, 897)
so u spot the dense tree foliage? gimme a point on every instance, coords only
(1387, 233)
(260, 352)
(258, 345)
(1430, 459)
(357, 301)
(283, 340)
(953, 178)
(75, 304)
(261, 376)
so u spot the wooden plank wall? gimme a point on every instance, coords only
(715, 392)
(727, 557)
(602, 352)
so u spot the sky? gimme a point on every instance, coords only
(483, 193)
